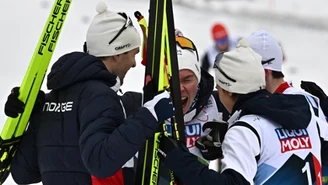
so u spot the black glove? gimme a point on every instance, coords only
(210, 145)
(14, 106)
(315, 90)
(149, 90)
(167, 144)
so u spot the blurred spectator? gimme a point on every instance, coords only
(222, 42)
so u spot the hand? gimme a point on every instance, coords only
(313, 89)
(149, 90)
(14, 106)
(167, 144)
(160, 106)
(210, 145)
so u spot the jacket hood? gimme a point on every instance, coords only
(289, 111)
(77, 67)
(206, 86)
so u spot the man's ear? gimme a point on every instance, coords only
(116, 58)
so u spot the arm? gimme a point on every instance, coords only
(317, 91)
(107, 140)
(24, 166)
(192, 172)
(323, 132)
(239, 163)
(324, 106)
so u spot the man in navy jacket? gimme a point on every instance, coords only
(80, 134)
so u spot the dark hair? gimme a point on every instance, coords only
(234, 95)
(277, 74)
(102, 58)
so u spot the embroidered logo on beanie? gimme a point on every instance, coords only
(122, 47)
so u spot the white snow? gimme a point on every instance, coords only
(301, 12)
(305, 44)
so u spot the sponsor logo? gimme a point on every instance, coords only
(54, 26)
(293, 139)
(193, 132)
(225, 83)
(156, 163)
(122, 47)
(58, 107)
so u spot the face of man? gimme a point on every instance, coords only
(188, 87)
(125, 62)
(222, 44)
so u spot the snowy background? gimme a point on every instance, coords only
(300, 25)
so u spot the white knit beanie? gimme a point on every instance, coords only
(104, 26)
(240, 70)
(268, 47)
(187, 59)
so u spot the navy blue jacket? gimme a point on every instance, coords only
(82, 128)
(290, 111)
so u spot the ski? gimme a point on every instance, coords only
(142, 154)
(162, 70)
(178, 126)
(144, 27)
(147, 156)
(14, 128)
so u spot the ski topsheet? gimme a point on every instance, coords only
(29, 89)
(162, 70)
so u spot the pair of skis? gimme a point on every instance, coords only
(160, 57)
(14, 128)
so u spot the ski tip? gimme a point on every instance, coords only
(138, 15)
